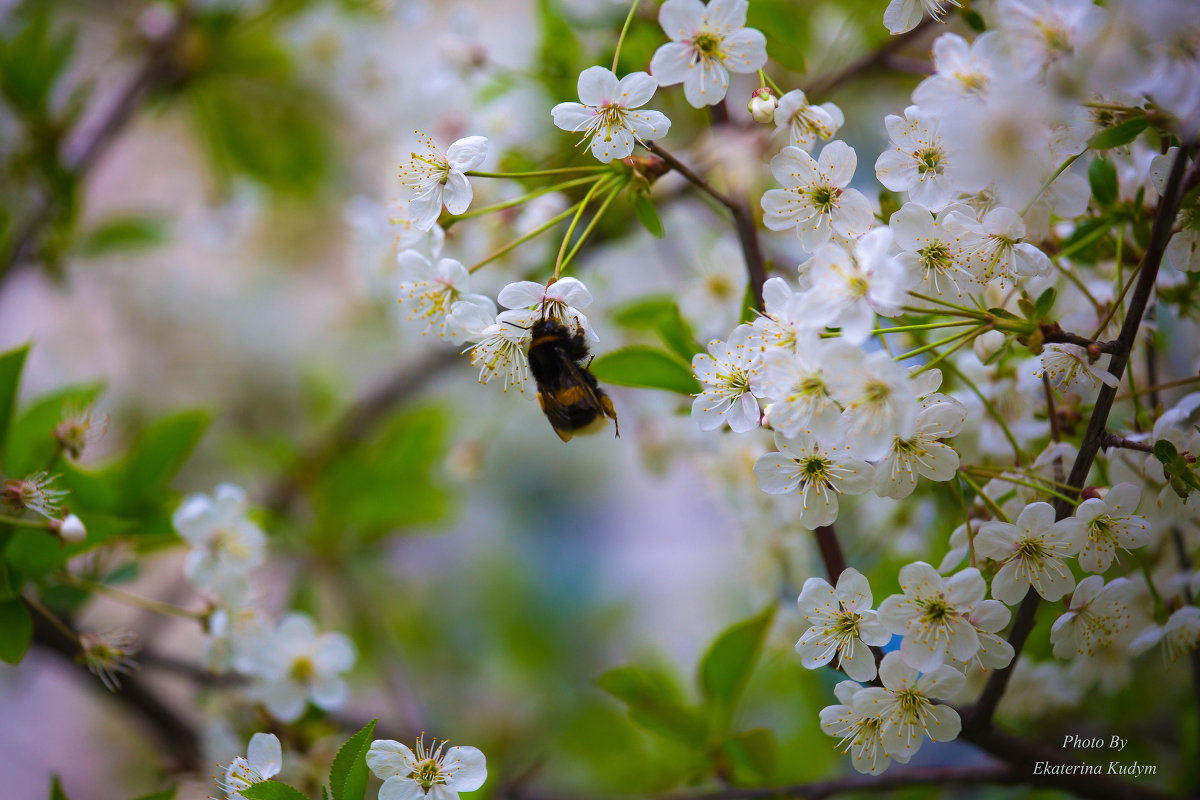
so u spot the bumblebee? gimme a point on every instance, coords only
(567, 391)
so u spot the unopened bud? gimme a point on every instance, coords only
(762, 105)
(70, 529)
(988, 344)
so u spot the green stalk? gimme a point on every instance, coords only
(612, 194)
(516, 201)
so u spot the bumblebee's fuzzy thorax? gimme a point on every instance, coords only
(568, 392)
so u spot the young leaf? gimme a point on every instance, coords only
(158, 454)
(122, 234)
(16, 630)
(272, 790)
(31, 442)
(753, 754)
(654, 705)
(165, 794)
(10, 376)
(677, 334)
(645, 367)
(643, 207)
(348, 773)
(726, 667)
(1102, 176)
(56, 790)
(1122, 133)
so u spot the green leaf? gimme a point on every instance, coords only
(1121, 133)
(324, 793)
(653, 704)
(31, 437)
(560, 53)
(157, 454)
(122, 234)
(784, 28)
(1164, 451)
(644, 312)
(16, 631)
(165, 794)
(272, 790)
(726, 667)
(753, 754)
(36, 553)
(1102, 176)
(56, 790)
(348, 773)
(32, 59)
(643, 207)
(1044, 303)
(386, 483)
(645, 367)
(677, 335)
(11, 363)
(975, 21)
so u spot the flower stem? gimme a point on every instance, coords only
(621, 38)
(1051, 180)
(539, 229)
(963, 311)
(536, 173)
(991, 409)
(612, 194)
(580, 207)
(929, 326)
(965, 339)
(145, 603)
(516, 201)
(987, 501)
(765, 80)
(1027, 484)
(925, 348)
(25, 522)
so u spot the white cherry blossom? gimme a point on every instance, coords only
(816, 199)
(936, 254)
(1111, 525)
(919, 161)
(726, 371)
(226, 545)
(296, 664)
(263, 761)
(1068, 365)
(861, 735)
(820, 472)
(879, 401)
(923, 453)
(901, 16)
(797, 384)
(438, 773)
(431, 179)
(906, 705)
(842, 624)
(1179, 636)
(997, 252)
(1099, 614)
(849, 289)
(605, 113)
(1031, 553)
(805, 123)
(931, 615)
(429, 291)
(707, 43)
(962, 71)
(560, 300)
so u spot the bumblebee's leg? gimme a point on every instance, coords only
(610, 411)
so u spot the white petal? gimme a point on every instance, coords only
(636, 89)
(597, 86)
(469, 768)
(457, 194)
(401, 788)
(572, 116)
(681, 18)
(706, 84)
(264, 754)
(387, 757)
(745, 51)
(329, 693)
(467, 154)
(672, 63)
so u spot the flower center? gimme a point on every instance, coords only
(936, 610)
(1031, 549)
(814, 469)
(876, 393)
(936, 257)
(845, 624)
(824, 198)
(427, 773)
(929, 160)
(708, 45)
(303, 670)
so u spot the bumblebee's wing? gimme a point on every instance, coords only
(558, 414)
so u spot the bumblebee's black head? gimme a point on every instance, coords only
(547, 326)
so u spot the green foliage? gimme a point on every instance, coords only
(157, 455)
(272, 790)
(376, 487)
(32, 59)
(165, 794)
(643, 207)
(655, 705)
(11, 363)
(16, 631)
(645, 367)
(31, 444)
(1119, 134)
(56, 790)
(662, 315)
(1102, 176)
(348, 773)
(122, 234)
(726, 667)
(560, 54)
(1182, 479)
(753, 755)
(257, 117)
(784, 29)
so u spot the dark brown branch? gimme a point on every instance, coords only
(831, 552)
(175, 733)
(158, 70)
(355, 424)
(1053, 334)
(893, 779)
(743, 222)
(978, 718)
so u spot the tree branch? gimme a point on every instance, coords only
(743, 221)
(979, 716)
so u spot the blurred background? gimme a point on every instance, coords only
(195, 219)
